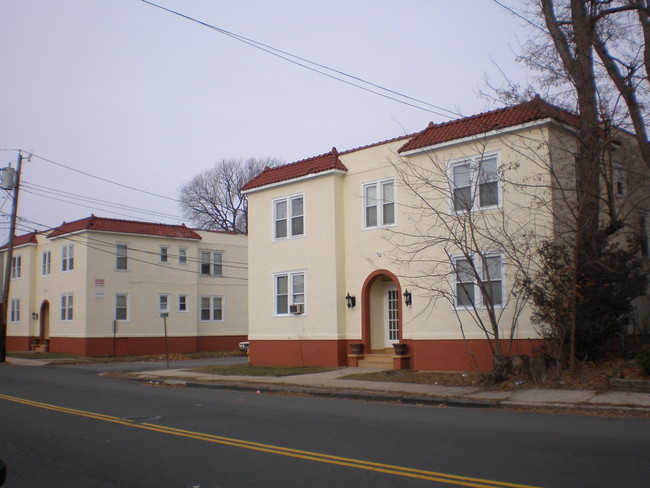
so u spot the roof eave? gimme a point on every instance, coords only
(294, 180)
(473, 137)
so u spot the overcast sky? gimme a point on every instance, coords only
(129, 93)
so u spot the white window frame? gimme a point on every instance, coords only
(182, 255)
(46, 263)
(289, 217)
(182, 300)
(16, 266)
(67, 304)
(213, 266)
(477, 261)
(14, 310)
(67, 258)
(381, 205)
(645, 236)
(618, 181)
(163, 302)
(119, 257)
(474, 164)
(164, 254)
(211, 299)
(293, 296)
(127, 297)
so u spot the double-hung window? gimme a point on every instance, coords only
(475, 183)
(619, 181)
(121, 263)
(164, 254)
(66, 307)
(182, 255)
(478, 280)
(67, 257)
(163, 303)
(16, 264)
(14, 310)
(122, 306)
(645, 237)
(212, 263)
(182, 303)
(290, 293)
(289, 217)
(46, 263)
(211, 309)
(379, 204)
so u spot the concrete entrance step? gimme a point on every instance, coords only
(377, 359)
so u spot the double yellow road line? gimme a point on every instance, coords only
(282, 451)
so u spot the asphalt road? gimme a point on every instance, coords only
(64, 426)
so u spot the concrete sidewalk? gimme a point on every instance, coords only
(332, 384)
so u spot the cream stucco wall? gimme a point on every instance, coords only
(338, 254)
(94, 282)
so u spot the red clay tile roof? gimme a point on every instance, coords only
(535, 109)
(23, 239)
(125, 227)
(317, 164)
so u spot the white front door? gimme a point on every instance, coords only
(391, 315)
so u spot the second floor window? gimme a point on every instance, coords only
(211, 263)
(120, 257)
(379, 204)
(289, 217)
(182, 255)
(164, 256)
(46, 263)
(475, 184)
(16, 264)
(66, 307)
(67, 257)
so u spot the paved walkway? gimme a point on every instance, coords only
(332, 384)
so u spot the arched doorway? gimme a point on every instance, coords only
(44, 323)
(381, 310)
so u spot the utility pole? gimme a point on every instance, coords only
(9, 254)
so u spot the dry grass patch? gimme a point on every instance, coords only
(587, 376)
(249, 370)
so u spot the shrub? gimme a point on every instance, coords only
(643, 358)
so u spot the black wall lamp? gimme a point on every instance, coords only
(34, 315)
(407, 297)
(350, 300)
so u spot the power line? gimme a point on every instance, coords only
(48, 192)
(105, 179)
(301, 62)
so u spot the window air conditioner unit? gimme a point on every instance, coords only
(297, 309)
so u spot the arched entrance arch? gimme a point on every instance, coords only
(44, 322)
(380, 289)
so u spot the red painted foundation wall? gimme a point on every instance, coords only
(131, 346)
(433, 355)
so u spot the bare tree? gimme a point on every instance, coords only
(213, 199)
(590, 57)
(456, 251)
